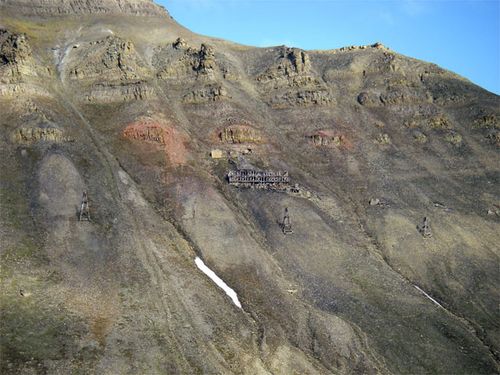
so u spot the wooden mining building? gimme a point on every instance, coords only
(259, 179)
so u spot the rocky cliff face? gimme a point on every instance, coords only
(19, 70)
(123, 103)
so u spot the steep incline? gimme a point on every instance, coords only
(125, 104)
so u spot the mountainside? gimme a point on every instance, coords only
(52, 8)
(115, 99)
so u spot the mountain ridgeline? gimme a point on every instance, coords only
(335, 158)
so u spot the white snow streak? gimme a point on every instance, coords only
(216, 279)
(428, 296)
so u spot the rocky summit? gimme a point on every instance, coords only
(349, 199)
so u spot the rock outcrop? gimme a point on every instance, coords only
(490, 121)
(116, 60)
(240, 134)
(394, 96)
(327, 138)
(402, 95)
(454, 138)
(113, 58)
(292, 68)
(120, 92)
(302, 98)
(180, 44)
(290, 81)
(34, 135)
(419, 136)
(494, 137)
(181, 62)
(14, 49)
(17, 64)
(146, 130)
(14, 90)
(161, 133)
(440, 122)
(383, 139)
(206, 94)
(37, 128)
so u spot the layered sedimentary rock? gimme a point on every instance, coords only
(119, 92)
(113, 58)
(34, 135)
(328, 138)
(20, 73)
(182, 62)
(290, 81)
(209, 93)
(126, 76)
(240, 134)
(291, 68)
(159, 132)
(301, 98)
(16, 57)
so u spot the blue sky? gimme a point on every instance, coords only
(459, 35)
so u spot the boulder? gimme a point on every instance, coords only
(368, 99)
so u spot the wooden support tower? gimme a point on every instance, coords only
(425, 228)
(84, 208)
(286, 225)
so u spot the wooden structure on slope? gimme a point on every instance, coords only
(425, 229)
(259, 179)
(84, 208)
(286, 225)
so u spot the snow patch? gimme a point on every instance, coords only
(429, 297)
(217, 280)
